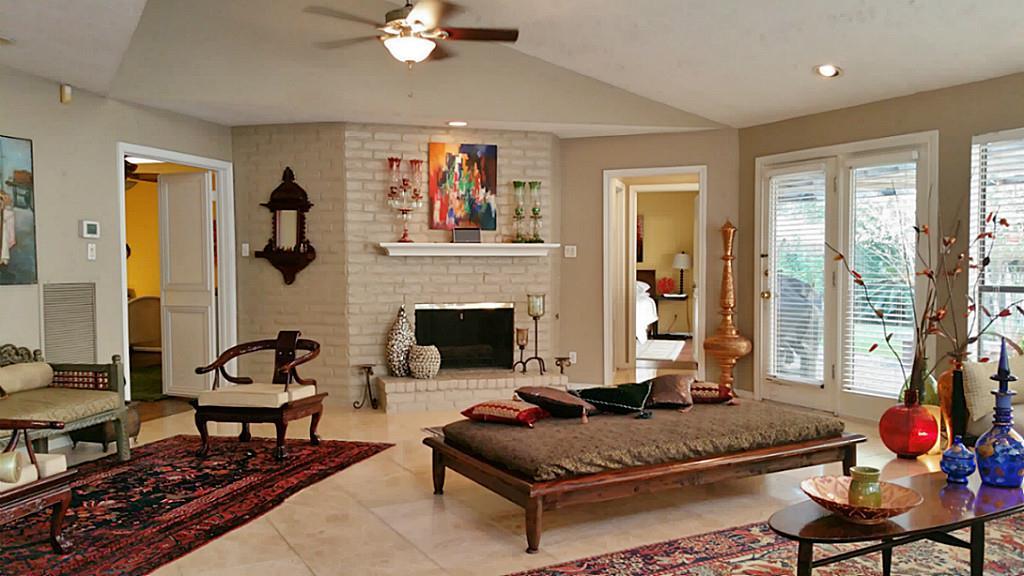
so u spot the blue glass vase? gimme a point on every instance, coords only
(1000, 451)
(957, 462)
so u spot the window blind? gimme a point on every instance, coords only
(997, 187)
(797, 283)
(881, 248)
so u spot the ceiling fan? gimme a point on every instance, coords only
(411, 33)
(132, 176)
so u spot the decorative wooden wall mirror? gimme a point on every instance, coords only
(288, 249)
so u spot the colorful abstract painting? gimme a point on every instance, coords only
(17, 213)
(463, 186)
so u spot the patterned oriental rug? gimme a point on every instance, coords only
(755, 550)
(133, 517)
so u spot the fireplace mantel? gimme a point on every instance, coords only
(474, 249)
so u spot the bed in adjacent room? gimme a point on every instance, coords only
(646, 307)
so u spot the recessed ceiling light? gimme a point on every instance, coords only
(828, 70)
(137, 160)
(458, 123)
(5, 41)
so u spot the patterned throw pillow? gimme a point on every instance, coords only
(558, 403)
(621, 399)
(506, 412)
(711, 392)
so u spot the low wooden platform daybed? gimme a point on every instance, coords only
(561, 462)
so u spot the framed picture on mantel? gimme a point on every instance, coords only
(463, 186)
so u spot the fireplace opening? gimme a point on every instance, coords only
(468, 335)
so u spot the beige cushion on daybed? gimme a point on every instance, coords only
(48, 465)
(57, 404)
(255, 395)
(28, 376)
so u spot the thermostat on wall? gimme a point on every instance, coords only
(90, 229)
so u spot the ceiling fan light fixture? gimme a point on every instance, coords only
(409, 49)
(828, 70)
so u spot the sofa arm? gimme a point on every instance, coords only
(90, 376)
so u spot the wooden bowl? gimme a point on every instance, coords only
(832, 493)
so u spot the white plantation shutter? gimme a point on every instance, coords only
(997, 187)
(883, 211)
(796, 247)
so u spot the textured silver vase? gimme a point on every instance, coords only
(400, 339)
(424, 361)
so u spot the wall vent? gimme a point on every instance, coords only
(69, 322)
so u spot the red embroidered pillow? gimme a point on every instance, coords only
(710, 392)
(506, 412)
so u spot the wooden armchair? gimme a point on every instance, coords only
(31, 482)
(287, 397)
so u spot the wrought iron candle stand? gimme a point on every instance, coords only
(536, 310)
(405, 192)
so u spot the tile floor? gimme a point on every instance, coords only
(380, 517)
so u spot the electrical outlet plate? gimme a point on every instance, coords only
(90, 251)
(572, 357)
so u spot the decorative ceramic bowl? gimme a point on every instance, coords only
(832, 493)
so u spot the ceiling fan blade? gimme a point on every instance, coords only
(482, 34)
(343, 43)
(332, 13)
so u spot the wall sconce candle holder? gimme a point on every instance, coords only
(288, 249)
(405, 192)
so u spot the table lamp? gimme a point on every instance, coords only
(681, 262)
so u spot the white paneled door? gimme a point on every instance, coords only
(188, 288)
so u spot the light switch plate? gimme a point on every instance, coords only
(90, 251)
(572, 357)
(570, 250)
(245, 249)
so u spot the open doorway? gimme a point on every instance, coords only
(179, 291)
(654, 272)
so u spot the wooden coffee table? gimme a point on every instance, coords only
(945, 509)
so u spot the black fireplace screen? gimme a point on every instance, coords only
(468, 335)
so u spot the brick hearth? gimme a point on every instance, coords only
(457, 389)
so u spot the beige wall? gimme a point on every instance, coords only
(583, 163)
(76, 178)
(958, 113)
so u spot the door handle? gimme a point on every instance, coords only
(766, 295)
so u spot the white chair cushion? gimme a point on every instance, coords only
(255, 395)
(28, 376)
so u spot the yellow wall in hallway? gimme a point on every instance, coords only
(669, 222)
(142, 230)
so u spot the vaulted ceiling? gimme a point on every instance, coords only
(579, 67)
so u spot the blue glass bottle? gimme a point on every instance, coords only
(1000, 451)
(957, 462)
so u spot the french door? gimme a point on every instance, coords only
(826, 341)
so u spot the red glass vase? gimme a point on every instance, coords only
(908, 429)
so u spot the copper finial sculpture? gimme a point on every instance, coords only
(727, 345)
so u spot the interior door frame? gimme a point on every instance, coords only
(608, 233)
(927, 144)
(227, 295)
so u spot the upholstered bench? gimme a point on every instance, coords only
(80, 395)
